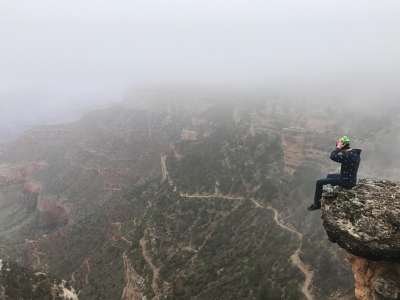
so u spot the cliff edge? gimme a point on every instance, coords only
(365, 221)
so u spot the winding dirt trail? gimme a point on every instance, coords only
(210, 196)
(295, 257)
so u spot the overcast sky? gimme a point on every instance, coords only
(95, 50)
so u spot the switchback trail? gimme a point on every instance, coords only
(295, 257)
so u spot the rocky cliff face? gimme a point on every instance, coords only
(365, 221)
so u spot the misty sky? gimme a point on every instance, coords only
(95, 50)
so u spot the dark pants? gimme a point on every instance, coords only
(332, 179)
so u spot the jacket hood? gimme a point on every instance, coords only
(358, 151)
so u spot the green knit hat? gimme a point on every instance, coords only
(345, 140)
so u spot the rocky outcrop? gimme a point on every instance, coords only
(365, 221)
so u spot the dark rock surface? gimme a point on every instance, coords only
(365, 220)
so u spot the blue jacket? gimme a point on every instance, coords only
(350, 161)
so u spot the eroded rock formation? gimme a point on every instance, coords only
(365, 221)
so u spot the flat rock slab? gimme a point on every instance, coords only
(365, 220)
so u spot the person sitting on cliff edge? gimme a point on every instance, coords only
(349, 160)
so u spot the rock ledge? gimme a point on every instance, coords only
(365, 220)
